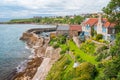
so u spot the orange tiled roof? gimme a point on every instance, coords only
(91, 21)
(75, 27)
(94, 21)
(108, 24)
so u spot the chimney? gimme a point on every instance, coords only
(99, 18)
(99, 24)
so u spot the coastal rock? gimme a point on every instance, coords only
(31, 69)
(32, 39)
(42, 51)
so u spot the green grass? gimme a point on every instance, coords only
(60, 68)
(83, 56)
(63, 46)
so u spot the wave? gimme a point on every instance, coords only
(23, 65)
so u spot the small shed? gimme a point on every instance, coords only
(75, 30)
(63, 30)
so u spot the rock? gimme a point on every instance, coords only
(41, 50)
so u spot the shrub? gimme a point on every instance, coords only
(62, 39)
(101, 49)
(99, 36)
(67, 62)
(86, 69)
(62, 52)
(112, 69)
(52, 41)
(101, 40)
(88, 47)
(56, 46)
(99, 57)
(77, 57)
(100, 65)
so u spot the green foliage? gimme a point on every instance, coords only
(115, 50)
(63, 70)
(102, 52)
(101, 49)
(86, 71)
(60, 68)
(78, 19)
(99, 57)
(83, 56)
(113, 13)
(49, 20)
(93, 32)
(52, 41)
(88, 47)
(56, 46)
(112, 70)
(99, 36)
(62, 39)
(63, 52)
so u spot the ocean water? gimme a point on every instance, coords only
(12, 50)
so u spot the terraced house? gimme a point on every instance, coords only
(101, 26)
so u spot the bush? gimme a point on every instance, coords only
(62, 52)
(56, 46)
(99, 36)
(67, 62)
(88, 47)
(62, 39)
(99, 57)
(52, 41)
(101, 40)
(100, 65)
(101, 49)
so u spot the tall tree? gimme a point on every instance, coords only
(112, 10)
(115, 50)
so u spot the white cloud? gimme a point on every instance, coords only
(52, 7)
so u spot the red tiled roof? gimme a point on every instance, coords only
(75, 27)
(91, 21)
(108, 24)
(112, 25)
(94, 21)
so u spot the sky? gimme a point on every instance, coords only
(30, 8)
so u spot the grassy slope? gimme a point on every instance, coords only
(64, 66)
(84, 56)
(60, 68)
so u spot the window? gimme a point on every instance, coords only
(103, 29)
(87, 27)
(113, 31)
(112, 37)
(87, 33)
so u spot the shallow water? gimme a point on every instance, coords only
(12, 50)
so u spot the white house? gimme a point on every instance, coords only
(101, 26)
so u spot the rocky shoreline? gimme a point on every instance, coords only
(42, 59)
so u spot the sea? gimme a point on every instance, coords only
(13, 51)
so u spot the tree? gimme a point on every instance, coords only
(93, 32)
(112, 70)
(99, 36)
(115, 50)
(112, 10)
(78, 19)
